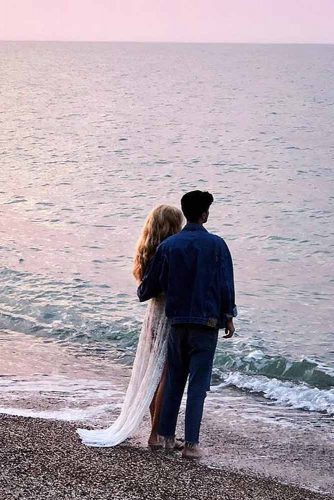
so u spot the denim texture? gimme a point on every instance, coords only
(194, 270)
(191, 350)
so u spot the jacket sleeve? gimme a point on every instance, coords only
(154, 277)
(229, 309)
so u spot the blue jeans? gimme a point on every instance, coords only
(191, 350)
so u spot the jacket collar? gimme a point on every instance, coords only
(191, 226)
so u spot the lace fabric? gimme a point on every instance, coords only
(145, 377)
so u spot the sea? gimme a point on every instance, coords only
(95, 135)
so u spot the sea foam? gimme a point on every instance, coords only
(299, 396)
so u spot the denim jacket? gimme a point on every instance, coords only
(195, 272)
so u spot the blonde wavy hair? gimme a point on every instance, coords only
(162, 222)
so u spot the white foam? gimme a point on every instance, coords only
(258, 354)
(64, 414)
(82, 399)
(286, 393)
(78, 388)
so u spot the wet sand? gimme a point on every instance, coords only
(45, 460)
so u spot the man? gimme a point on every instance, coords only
(194, 269)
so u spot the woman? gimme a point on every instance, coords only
(147, 380)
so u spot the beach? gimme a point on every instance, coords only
(54, 382)
(45, 460)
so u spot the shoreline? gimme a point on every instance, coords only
(240, 432)
(44, 459)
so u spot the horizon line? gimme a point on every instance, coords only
(24, 40)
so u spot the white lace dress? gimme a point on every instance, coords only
(145, 377)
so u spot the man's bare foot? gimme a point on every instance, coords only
(156, 441)
(178, 444)
(169, 444)
(174, 444)
(192, 451)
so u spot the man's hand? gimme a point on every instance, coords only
(229, 329)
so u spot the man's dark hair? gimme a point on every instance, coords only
(195, 203)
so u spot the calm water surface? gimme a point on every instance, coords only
(93, 136)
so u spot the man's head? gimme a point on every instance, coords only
(195, 206)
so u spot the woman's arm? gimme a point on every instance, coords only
(152, 283)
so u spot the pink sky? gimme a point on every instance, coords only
(169, 20)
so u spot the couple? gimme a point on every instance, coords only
(188, 275)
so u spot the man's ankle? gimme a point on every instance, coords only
(192, 450)
(191, 444)
(169, 442)
(166, 437)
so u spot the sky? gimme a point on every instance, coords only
(255, 21)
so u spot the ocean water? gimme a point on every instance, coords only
(93, 136)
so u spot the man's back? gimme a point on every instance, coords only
(196, 275)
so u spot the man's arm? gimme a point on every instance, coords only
(229, 309)
(152, 284)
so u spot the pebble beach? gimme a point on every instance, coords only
(42, 460)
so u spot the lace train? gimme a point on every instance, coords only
(146, 374)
